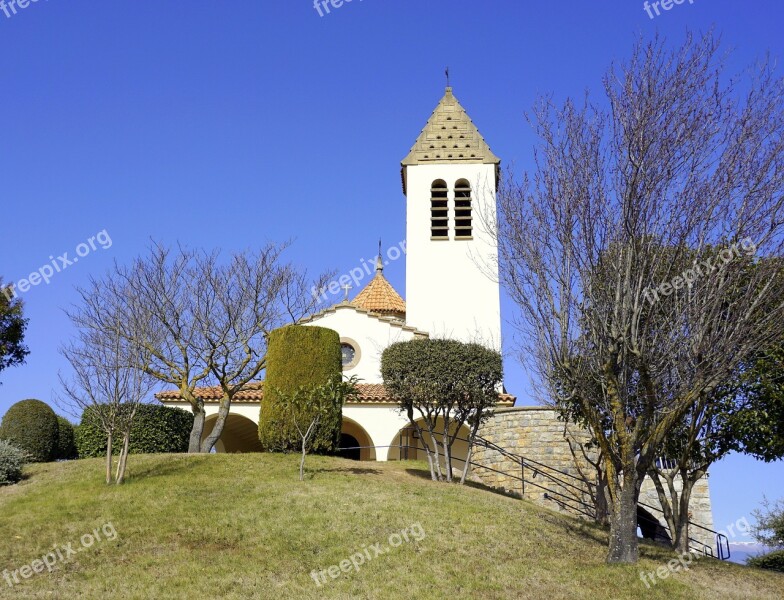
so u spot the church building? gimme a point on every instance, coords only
(449, 178)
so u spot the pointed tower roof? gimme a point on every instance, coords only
(450, 136)
(380, 297)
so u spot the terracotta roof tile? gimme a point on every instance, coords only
(369, 393)
(380, 297)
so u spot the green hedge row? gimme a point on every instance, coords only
(156, 430)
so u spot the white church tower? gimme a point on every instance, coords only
(450, 180)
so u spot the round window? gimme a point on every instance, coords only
(349, 354)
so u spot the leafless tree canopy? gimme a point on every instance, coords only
(200, 320)
(108, 378)
(598, 248)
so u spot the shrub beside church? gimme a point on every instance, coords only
(156, 430)
(299, 356)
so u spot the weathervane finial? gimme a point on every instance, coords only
(447, 78)
(379, 263)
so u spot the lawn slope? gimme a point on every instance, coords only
(243, 526)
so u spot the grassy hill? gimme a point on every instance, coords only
(243, 526)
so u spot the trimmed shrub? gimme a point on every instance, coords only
(12, 459)
(66, 441)
(31, 426)
(299, 356)
(773, 561)
(156, 430)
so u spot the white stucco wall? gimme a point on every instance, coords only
(381, 422)
(452, 285)
(371, 335)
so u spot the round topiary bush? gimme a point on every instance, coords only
(299, 356)
(12, 459)
(156, 430)
(31, 426)
(66, 441)
(773, 561)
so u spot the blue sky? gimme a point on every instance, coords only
(228, 124)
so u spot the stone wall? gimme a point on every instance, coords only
(548, 445)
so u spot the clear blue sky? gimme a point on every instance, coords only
(226, 124)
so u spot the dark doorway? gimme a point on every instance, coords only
(650, 527)
(349, 447)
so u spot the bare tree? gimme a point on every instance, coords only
(201, 321)
(238, 305)
(679, 160)
(107, 385)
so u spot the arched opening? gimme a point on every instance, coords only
(439, 210)
(355, 442)
(407, 445)
(350, 447)
(240, 435)
(650, 527)
(463, 216)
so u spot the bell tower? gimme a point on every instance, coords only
(450, 180)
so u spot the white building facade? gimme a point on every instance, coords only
(450, 181)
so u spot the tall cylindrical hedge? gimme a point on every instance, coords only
(156, 430)
(299, 356)
(31, 426)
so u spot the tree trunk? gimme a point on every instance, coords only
(467, 463)
(302, 463)
(623, 522)
(675, 505)
(436, 453)
(121, 465)
(194, 445)
(681, 534)
(109, 440)
(217, 430)
(602, 510)
(447, 458)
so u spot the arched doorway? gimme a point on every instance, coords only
(240, 435)
(407, 446)
(350, 447)
(651, 528)
(354, 436)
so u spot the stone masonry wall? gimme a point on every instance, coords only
(538, 435)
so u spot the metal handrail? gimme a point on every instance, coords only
(537, 468)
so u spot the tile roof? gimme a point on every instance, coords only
(450, 136)
(369, 393)
(380, 297)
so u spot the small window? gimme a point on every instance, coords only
(350, 353)
(463, 217)
(439, 211)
